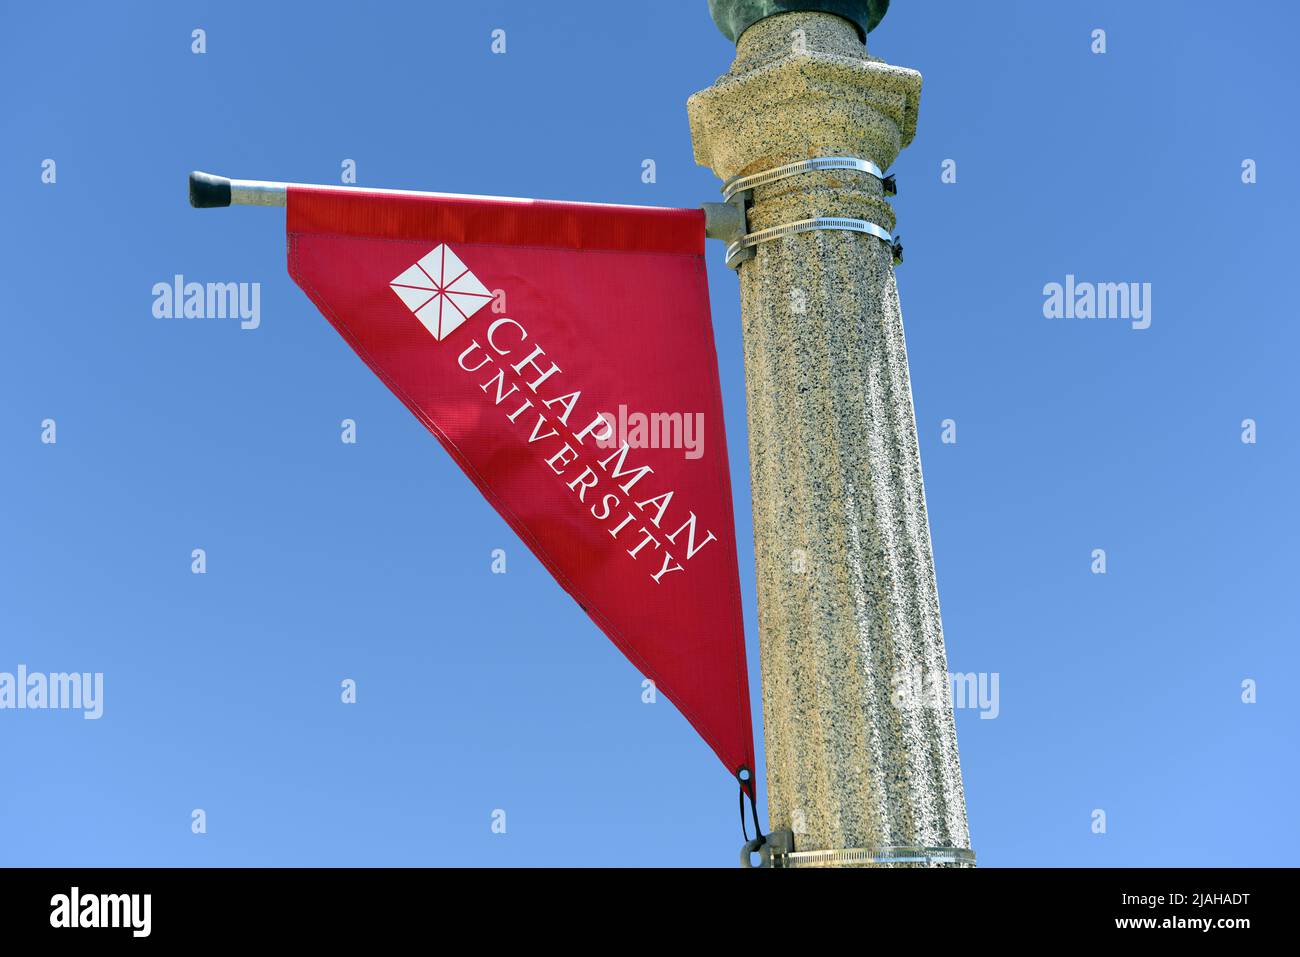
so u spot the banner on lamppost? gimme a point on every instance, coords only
(516, 331)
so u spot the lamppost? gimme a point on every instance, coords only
(862, 762)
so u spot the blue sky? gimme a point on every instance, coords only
(477, 692)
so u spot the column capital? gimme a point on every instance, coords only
(803, 86)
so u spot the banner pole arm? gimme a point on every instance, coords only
(725, 221)
(209, 191)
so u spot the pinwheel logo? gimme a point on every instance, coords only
(441, 291)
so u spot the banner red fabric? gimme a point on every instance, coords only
(526, 335)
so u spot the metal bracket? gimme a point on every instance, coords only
(776, 850)
(725, 221)
(729, 222)
(769, 848)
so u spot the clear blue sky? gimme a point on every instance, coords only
(372, 561)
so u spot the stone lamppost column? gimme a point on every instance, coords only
(861, 743)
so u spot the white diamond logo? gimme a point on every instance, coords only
(441, 291)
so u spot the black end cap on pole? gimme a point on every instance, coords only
(734, 17)
(208, 191)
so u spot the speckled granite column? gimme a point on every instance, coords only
(846, 587)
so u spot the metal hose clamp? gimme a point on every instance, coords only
(926, 856)
(777, 850)
(738, 183)
(736, 250)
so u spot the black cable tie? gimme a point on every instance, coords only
(747, 787)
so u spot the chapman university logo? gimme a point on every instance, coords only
(443, 294)
(516, 374)
(441, 291)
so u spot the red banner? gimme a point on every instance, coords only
(551, 347)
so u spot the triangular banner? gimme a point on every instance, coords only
(527, 336)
